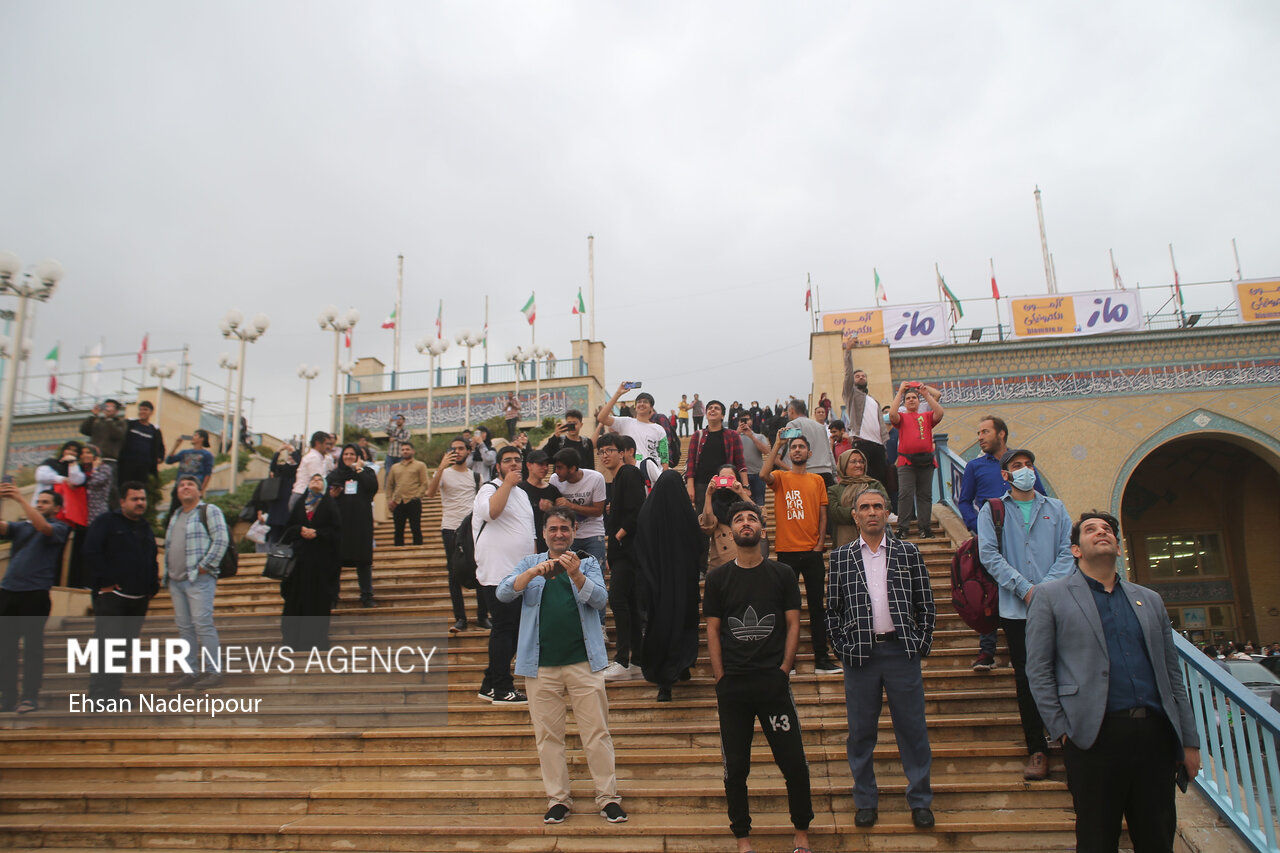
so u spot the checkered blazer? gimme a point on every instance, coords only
(849, 603)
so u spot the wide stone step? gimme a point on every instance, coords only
(962, 829)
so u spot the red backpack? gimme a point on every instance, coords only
(973, 591)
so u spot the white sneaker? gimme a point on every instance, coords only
(893, 518)
(617, 672)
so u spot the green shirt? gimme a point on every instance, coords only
(559, 624)
(1026, 507)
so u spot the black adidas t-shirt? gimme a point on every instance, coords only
(752, 606)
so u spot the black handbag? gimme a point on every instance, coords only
(920, 460)
(281, 562)
(268, 491)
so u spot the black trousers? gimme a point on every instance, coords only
(810, 566)
(1127, 772)
(410, 511)
(364, 577)
(450, 538)
(740, 701)
(502, 641)
(1015, 634)
(697, 422)
(22, 618)
(114, 618)
(627, 624)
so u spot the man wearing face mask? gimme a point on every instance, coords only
(862, 416)
(1033, 547)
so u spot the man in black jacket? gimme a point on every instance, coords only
(626, 495)
(143, 447)
(120, 551)
(569, 434)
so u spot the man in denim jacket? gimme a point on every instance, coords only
(561, 655)
(193, 548)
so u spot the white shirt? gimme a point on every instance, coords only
(869, 429)
(503, 541)
(457, 492)
(876, 566)
(647, 436)
(590, 489)
(313, 462)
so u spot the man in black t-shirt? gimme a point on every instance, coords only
(752, 607)
(542, 497)
(143, 449)
(569, 434)
(710, 450)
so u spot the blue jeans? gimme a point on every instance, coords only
(193, 611)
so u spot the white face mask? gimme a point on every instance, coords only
(1024, 479)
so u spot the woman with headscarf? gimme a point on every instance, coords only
(483, 457)
(851, 481)
(314, 530)
(356, 484)
(714, 518)
(100, 485)
(670, 553)
(284, 467)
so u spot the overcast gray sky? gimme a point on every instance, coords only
(181, 159)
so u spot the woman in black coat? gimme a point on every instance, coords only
(356, 484)
(284, 468)
(315, 527)
(671, 552)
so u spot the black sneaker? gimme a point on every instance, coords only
(556, 814)
(484, 624)
(511, 697)
(613, 813)
(486, 693)
(827, 667)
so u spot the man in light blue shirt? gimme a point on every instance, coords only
(561, 654)
(1034, 546)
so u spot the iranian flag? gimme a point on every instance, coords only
(945, 292)
(530, 310)
(440, 320)
(51, 360)
(881, 296)
(390, 322)
(579, 307)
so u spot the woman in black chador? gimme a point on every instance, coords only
(356, 484)
(671, 552)
(314, 530)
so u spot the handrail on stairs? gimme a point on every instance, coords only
(947, 476)
(1239, 772)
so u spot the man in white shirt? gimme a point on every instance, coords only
(652, 453)
(502, 524)
(862, 416)
(821, 462)
(583, 491)
(457, 488)
(315, 461)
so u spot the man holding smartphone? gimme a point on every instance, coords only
(754, 447)
(652, 453)
(457, 488)
(569, 434)
(800, 523)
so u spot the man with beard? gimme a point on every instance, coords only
(710, 449)
(652, 453)
(752, 608)
(862, 416)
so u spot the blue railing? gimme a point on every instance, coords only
(946, 477)
(456, 377)
(1239, 773)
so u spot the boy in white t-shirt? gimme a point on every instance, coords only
(457, 487)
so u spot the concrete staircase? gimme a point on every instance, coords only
(373, 765)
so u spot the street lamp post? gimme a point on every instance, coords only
(37, 284)
(306, 374)
(431, 347)
(518, 356)
(161, 372)
(226, 362)
(537, 355)
(331, 321)
(468, 340)
(233, 325)
(345, 369)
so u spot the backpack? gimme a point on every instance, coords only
(229, 565)
(462, 560)
(973, 591)
(673, 440)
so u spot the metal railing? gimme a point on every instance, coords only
(947, 476)
(1239, 773)
(452, 378)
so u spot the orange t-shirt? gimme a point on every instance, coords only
(796, 498)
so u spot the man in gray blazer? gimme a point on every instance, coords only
(1104, 673)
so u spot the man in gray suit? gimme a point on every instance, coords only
(1104, 673)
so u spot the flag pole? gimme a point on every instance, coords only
(395, 356)
(1049, 278)
(533, 326)
(486, 336)
(591, 282)
(1177, 289)
(1236, 255)
(995, 297)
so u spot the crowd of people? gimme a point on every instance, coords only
(558, 545)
